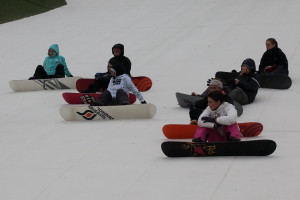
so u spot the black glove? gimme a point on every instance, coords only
(208, 119)
(98, 76)
(144, 102)
(71, 75)
(234, 71)
(230, 82)
(209, 80)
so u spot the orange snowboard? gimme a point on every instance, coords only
(186, 131)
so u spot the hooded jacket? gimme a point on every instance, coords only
(121, 59)
(226, 114)
(122, 81)
(50, 63)
(273, 57)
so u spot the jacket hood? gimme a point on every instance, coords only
(120, 46)
(55, 48)
(119, 68)
(250, 64)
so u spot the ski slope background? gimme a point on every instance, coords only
(179, 44)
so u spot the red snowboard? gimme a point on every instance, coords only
(87, 98)
(142, 83)
(186, 131)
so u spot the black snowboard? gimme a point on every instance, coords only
(272, 81)
(243, 148)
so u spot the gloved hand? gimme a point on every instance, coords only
(208, 119)
(209, 80)
(98, 76)
(71, 75)
(270, 68)
(233, 71)
(144, 102)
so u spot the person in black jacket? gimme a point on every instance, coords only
(273, 61)
(102, 79)
(199, 106)
(245, 87)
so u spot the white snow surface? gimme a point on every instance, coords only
(179, 44)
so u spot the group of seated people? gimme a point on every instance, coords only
(215, 113)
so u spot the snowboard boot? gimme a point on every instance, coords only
(231, 139)
(193, 122)
(198, 140)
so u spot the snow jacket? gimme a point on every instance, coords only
(50, 63)
(273, 57)
(122, 81)
(226, 114)
(249, 85)
(121, 59)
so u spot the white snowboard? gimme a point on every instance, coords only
(86, 112)
(44, 84)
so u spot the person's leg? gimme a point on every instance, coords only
(239, 96)
(60, 71)
(39, 73)
(232, 132)
(200, 134)
(122, 97)
(104, 100)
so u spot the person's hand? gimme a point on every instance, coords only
(236, 81)
(144, 102)
(194, 94)
(209, 80)
(208, 119)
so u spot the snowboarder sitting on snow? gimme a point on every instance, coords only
(197, 107)
(102, 79)
(217, 123)
(244, 88)
(119, 86)
(54, 66)
(273, 61)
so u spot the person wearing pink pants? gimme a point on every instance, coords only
(217, 123)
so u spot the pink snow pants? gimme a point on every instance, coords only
(212, 135)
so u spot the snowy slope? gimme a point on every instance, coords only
(179, 44)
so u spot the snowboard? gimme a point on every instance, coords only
(88, 98)
(43, 84)
(272, 81)
(205, 149)
(187, 131)
(86, 112)
(185, 101)
(142, 83)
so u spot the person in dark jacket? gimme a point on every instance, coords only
(102, 79)
(273, 61)
(199, 106)
(245, 87)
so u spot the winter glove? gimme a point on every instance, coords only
(234, 71)
(144, 102)
(71, 75)
(270, 68)
(98, 76)
(208, 119)
(209, 80)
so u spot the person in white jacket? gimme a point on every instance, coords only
(118, 89)
(217, 123)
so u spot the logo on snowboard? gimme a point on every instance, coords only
(88, 114)
(93, 112)
(51, 84)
